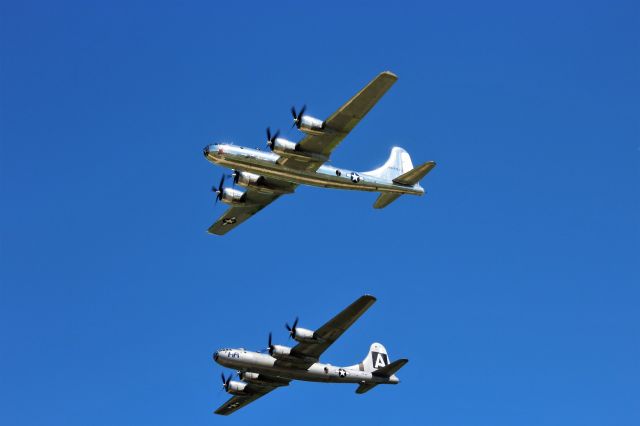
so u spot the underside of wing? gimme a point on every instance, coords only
(333, 329)
(339, 124)
(236, 214)
(348, 115)
(238, 401)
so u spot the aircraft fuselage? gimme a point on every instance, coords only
(263, 363)
(266, 164)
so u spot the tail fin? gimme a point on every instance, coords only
(376, 358)
(399, 169)
(398, 163)
(377, 363)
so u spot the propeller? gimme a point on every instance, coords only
(272, 139)
(219, 189)
(225, 382)
(270, 347)
(297, 117)
(234, 175)
(292, 329)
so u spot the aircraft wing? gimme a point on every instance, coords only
(255, 202)
(236, 402)
(329, 333)
(341, 122)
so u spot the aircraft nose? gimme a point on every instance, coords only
(205, 151)
(215, 356)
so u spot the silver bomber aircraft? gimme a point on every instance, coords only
(268, 175)
(262, 372)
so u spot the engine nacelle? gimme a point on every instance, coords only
(258, 379)
(305, 335)
(279, 351)
(236, 388)
(291, 149)
(248, 376)
(282, 146)
(247, 179)
(311, 125)
(233, 196)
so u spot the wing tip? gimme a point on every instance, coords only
(371, 298)
(389, 74)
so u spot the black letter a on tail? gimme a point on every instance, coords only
(379, 360)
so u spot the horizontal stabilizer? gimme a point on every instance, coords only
(385, 199)
(366, 387)
(414, 175)
(390, 369)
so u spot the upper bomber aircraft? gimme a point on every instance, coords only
(268, 175)
(263, 372)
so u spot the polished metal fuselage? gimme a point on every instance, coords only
(266, 164)
(263, 363)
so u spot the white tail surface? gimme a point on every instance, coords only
(376, 358)
(399, 162)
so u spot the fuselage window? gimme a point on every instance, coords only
(338, 173)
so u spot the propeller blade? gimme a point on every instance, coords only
(292, 328)
(219, 189)
(293, 112)
(304, 108)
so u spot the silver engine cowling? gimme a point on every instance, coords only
(291, 149)
(282, 146)
(236, 388)
(233, 196)
(247, 179)
(311, 125)
(280, 352)
(304, 335)
(249, 376)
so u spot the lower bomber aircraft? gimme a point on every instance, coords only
(268, 175)
(276, 366)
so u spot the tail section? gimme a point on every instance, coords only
(398, 163)
(399, 169)
(390, 369)
(376, 358)
(413, 176)
(377, 363)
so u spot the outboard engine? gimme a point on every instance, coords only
(311, 125)
(307, 123)
(301, 334)
(236, 388)
(233, 387)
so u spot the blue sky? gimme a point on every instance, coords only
(512, 287)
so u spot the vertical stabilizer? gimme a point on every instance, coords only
(376, 358)
(399, 162)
